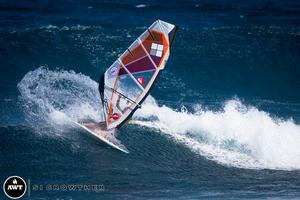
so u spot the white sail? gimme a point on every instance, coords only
(127, 82)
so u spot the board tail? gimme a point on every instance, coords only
(99, 131)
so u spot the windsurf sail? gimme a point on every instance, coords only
(127, 82)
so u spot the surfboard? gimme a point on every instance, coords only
(107, 136)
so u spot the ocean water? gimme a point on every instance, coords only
(222, 122)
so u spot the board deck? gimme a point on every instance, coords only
(98, 130)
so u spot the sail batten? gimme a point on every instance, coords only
(127, 82)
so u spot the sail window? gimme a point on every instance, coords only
(156, 50)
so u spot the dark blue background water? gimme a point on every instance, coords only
(223, 50)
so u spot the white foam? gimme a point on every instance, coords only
(141, 6)
(237, 135)
(59, 97)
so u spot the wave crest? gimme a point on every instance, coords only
(238, 135)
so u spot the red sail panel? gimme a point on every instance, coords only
(156, 45)
(143, 64)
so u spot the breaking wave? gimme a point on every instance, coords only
(236, 135)
(53, 98)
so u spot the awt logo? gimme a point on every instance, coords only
(14, 187)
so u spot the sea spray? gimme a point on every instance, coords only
(236, 135)
(56, 98)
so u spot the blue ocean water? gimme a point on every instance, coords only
(222, 122)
